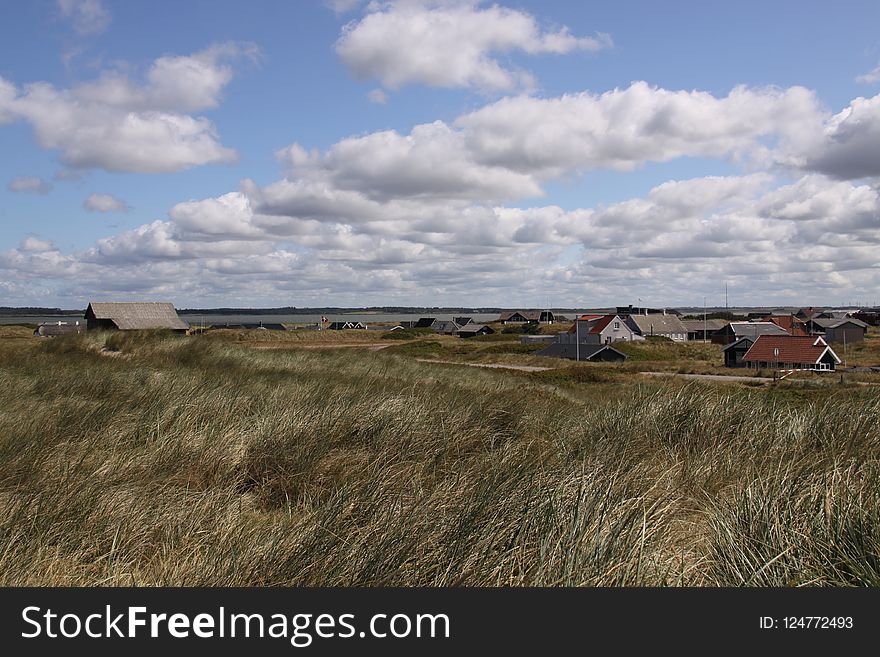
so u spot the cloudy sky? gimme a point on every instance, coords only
(439, 152)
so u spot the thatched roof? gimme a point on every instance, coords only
(129, 315)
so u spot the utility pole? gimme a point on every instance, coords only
(577, 338)
(726, 306)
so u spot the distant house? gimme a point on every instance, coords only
(808, 313)
(462, 321)
(133, 315)
(589, 352)
(344, 326)
(699, 329)
(472, 330)
(871, 316)
(267, 326)
(527, 317)
(407, 324)
(838, 330)
(445, 326)
(736, 330)
(604, 329)
(791, 352)
(54, 329)
(735, 352)
(667, 326)
(425, 322)
(636, 310)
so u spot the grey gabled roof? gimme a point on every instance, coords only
(835, 323)
(657, 324)
(754, 329)
(445, 326)
(710, 324)
(474, 328)
(127, 315)
(739, 342)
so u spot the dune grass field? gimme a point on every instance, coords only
(153, 459)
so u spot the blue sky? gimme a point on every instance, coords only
(439, 152)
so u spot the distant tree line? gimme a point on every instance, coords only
(34, 310)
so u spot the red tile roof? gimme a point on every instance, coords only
(792, 349)
(599, 326)
(791, 324)
(603, 321)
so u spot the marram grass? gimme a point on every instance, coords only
(185, 461)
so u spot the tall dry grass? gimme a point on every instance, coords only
(186, 461)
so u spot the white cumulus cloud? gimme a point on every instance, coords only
(87, 16)
(116, 124)
(29, 185)
(450, 44)
(104, 203)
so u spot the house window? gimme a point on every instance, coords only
(616, 325)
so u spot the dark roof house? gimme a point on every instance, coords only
(736, 330)
(590, 352)
(445, 326)
(699, 329)
(808, 312)
(527, 316)
(472, 330)
(133, 315)
(736, 351)
(341, 326)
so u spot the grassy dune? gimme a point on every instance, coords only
(159, 460)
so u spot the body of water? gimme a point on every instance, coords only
(206, 320)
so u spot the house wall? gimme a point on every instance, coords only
(794, 366)
(100, 325)
(847, 333)
(616, 331)
(734, 357)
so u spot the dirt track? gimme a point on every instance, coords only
(521, 368)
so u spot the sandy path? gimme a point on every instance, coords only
(326, 345)
(521, 368)
(759, 379)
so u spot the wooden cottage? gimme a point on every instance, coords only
(133, 316)
(735, 352)
(589, 352)
(472, 330)
(838, 330)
